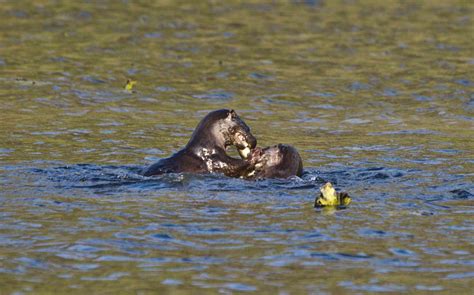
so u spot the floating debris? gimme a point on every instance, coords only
(329, 197)
(130, 84)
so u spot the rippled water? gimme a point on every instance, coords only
(377, 98)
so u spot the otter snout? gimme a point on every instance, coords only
(252, 141)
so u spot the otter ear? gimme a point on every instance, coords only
(232, 114)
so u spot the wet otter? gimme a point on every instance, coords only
(278, 161)
(206, 150)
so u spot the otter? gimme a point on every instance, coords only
(278, 161)
(206, 150)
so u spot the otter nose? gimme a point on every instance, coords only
(251, 140)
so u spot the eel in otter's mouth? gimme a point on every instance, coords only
(245, 144)
(244, 148)
(245, 152)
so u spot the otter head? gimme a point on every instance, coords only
(278, 161)
(238, 134)
(223, 128)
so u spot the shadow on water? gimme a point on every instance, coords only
(374, 182)
(123, 178)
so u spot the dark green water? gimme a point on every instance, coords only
(378, 97)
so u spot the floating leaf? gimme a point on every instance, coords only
(329, 197)
(130, 84)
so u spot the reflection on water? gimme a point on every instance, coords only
(376, 97)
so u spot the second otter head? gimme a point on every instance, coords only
(278, 161)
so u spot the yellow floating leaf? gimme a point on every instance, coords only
(130, 84)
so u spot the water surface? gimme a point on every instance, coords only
(377, 98)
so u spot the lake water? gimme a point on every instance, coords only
(378, 98)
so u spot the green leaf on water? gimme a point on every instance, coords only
(130, 84)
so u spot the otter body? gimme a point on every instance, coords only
(206, 150)
(278, 161)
